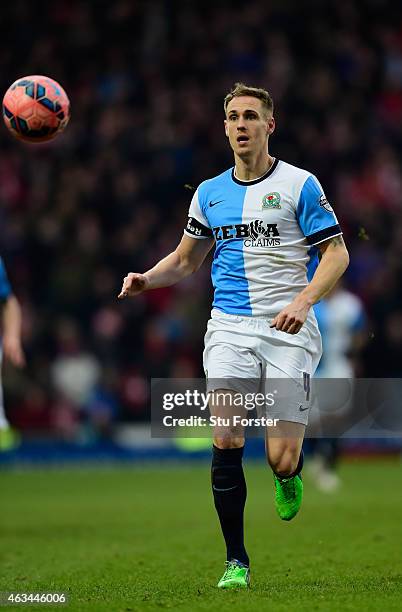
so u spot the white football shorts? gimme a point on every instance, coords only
(246, 355)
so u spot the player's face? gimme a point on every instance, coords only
(248, 125)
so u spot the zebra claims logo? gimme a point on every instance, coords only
(271, 200)
(254, 234)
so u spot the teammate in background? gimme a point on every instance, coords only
(267, 220)
(341, 320)
(11, 349)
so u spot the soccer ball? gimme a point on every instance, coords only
(36, 108)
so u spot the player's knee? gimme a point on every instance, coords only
(228, 441)
(284, 463)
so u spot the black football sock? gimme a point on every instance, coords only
(230, 492)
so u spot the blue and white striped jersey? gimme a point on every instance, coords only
(265, 232)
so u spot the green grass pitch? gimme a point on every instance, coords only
(147, 538)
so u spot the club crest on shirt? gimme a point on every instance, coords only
(323, 202)
(271, 200)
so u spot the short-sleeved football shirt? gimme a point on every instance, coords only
(266, 231)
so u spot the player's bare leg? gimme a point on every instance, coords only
(285, 456)
(229, 487)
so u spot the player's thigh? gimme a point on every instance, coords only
(230, 343)
(290, 385)
(232, 372)
(226, 408)
(287, 379)
(229, 362)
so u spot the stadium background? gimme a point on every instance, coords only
(146, 82)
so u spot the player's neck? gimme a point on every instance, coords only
(250, 169)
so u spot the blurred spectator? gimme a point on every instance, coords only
(342, 321)
(74, 372)
(146, 83)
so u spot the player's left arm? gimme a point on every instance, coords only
(333, 263)
(319, 224)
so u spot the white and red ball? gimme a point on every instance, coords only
(36, 108)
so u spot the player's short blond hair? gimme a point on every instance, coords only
(241, 89)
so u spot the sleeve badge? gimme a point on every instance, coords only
(323, 202)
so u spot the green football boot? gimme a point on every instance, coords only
(288, 496)
(236, 576)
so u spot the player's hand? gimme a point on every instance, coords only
(292, 317)
(13, 351)
(133, 284)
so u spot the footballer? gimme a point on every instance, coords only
(10, 348)
(268, 222)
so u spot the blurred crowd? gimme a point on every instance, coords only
(146, 82)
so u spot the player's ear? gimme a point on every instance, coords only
(270, 124)
(225, 123)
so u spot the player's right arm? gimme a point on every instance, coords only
(183, 261)
(12, 323)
